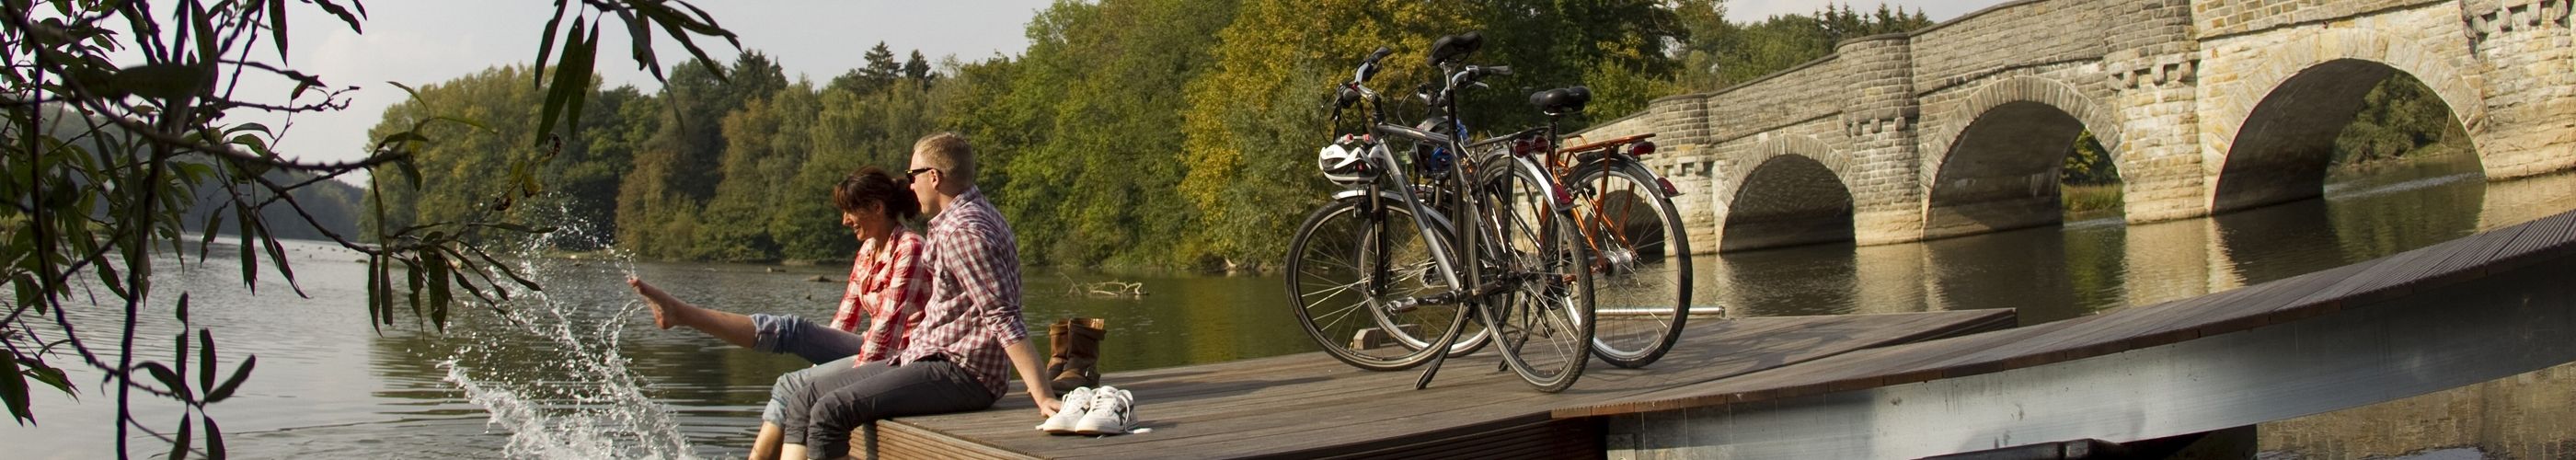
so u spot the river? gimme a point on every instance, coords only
(580, 372)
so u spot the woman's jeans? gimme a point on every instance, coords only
(790, 335)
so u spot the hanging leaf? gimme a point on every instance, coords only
(572, 79)
(161, 372)
(179, 363)
(234, 382)
(277, 27)
(250, 261)
(179, 446)
(206, 360)
(277, 255)
(375, 288)
(52, 377)
(439, 275)
(343, 13)
(546, 44)
(13, 389)
(214, 439)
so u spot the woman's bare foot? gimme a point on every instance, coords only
(662, 302)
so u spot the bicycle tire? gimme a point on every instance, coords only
(1539, 236)
(1642, 273)
(1333, 302)
(1421, 269)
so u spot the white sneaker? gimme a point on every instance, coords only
(1112, 411)
(1074, 404)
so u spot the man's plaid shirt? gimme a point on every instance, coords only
(974, 306)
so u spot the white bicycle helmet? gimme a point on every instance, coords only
(1346, 163)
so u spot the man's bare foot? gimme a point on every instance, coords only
(662, 303)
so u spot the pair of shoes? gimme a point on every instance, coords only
(1112, 411)
(1093, 411)
(1075, 405)
(1074, 352)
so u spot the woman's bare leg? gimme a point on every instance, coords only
(765, 447)
(733, 328)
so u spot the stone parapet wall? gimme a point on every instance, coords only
(2009, 36)
(2216, 18)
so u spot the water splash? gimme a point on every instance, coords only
(551, 375)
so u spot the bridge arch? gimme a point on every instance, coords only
(2000, 170)
(2288, 112)
(1796, 193)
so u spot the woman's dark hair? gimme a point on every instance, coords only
(873, 185)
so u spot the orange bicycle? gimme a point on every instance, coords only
(1641, 252)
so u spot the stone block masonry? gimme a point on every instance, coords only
(2206, 106)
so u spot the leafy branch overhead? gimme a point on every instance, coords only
(120, 140)
(581, 47)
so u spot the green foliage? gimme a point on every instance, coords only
(467, 157)
(117, 142)
(2398, 117)
(2089, 163)
(1254, 123)
(1722, 53)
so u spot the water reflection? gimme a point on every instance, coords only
(2089, 266)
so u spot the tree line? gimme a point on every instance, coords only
(1129, 133)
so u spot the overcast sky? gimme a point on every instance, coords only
(423, 42)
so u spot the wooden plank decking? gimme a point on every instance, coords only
(1312, 406)
(2276, 302)
(1309, 405)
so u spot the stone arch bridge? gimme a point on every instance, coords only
(2206, 106)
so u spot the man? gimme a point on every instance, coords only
(970, 332)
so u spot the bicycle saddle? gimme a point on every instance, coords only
(1453, 46)
(1561, 101)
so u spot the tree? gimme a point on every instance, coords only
(1721, 53)
(687, 151)
(2398, 116)
(917, 69)
(150, 104)
(1252, 121)
(880, 71)
(586, 175)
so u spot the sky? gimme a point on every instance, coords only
(417, 42)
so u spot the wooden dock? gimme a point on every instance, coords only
(2470, 310)
(1906, 385)
(1309, 405)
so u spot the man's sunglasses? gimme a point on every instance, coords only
(908, 175)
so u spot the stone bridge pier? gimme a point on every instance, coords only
(2207, 106)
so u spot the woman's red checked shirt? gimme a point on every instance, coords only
(892, 293)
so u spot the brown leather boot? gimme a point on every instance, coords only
(1073, 356)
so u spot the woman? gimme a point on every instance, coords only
(887, 283)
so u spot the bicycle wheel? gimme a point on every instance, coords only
(1474, 337)
(1543, 321)
(1641, 262)
(1345, 266)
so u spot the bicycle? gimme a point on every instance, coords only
(1642, 252)
(1379, 262)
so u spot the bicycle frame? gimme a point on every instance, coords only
(1609, 155)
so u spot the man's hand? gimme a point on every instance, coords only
(1047, 404)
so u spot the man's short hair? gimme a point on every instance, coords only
(948, 152)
